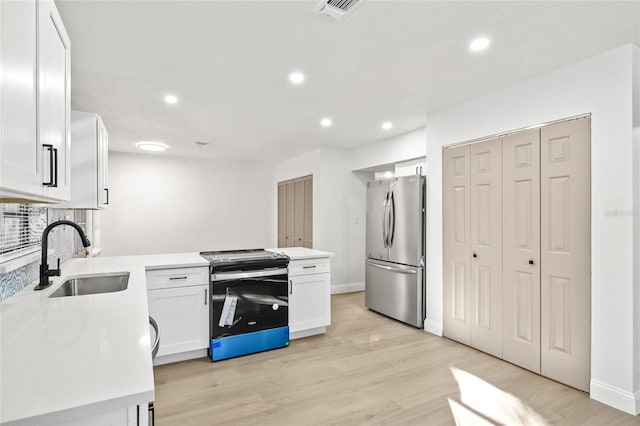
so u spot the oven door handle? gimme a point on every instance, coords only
(221, 276)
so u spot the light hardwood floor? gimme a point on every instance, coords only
(367, 369)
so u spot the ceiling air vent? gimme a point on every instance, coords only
(337, 9)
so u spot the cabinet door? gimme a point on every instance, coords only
(54, 103)
(521, 249)
(20, 171)
(486, 246)
(182, 314)
(309, 302)
(456, 243)
(102, 164)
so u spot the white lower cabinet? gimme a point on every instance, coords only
(309, 297)
(136, 415)
(180, 308)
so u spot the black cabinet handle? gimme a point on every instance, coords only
(206, 291)
(309, 267)
(177, 278)
(107, 192)
(51, 179)
(55, 167)
(531, 262)
(290, 287)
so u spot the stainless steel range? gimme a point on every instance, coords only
(250, 305)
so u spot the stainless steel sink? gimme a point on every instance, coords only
(94, 284)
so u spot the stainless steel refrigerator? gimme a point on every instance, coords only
(394, 269)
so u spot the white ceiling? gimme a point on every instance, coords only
(228, 62)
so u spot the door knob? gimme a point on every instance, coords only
(475, 255)
(531, 262)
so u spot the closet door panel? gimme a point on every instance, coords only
(456, 243)
(289, 214)
(486, 246)
(521, 249)
(566, 252)
(282, 215)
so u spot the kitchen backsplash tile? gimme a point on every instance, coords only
(60, 240)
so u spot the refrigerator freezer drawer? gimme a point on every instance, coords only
(395, 290)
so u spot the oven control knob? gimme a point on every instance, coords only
(275, 306)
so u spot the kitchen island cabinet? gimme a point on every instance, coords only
(179, 302)
(309, 291)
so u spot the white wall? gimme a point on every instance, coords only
(602, 86)
(163, 204)
(389, 151)
(337, 205)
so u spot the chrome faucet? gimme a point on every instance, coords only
(45, 272)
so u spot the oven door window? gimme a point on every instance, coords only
(249, 304)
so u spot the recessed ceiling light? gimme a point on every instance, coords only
(479, 44)
(170, 99)
(152, 146)
(325, 122)
(296, 77)
(387, 125)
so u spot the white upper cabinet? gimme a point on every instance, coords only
(34, 102)
(21, 171)
(54, 100)
(89, 169)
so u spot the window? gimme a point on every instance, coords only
(21, 227)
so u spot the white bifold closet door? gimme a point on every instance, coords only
(473, 245)
(517, 248)
(486, 246)
(565, 265)
(457, 243)
(521, 248)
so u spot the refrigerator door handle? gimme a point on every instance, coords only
(392, 219)
(384, 220)
(393, 269)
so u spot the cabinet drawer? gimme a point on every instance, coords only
(309, 266)
(177, 277)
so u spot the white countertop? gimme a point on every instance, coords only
(70, 357)
(298, 253)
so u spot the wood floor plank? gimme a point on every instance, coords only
(366, 370)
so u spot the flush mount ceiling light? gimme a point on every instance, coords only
(202, 143)
(152, 146)
(296, 77)
(325, 122)
(171, 99)
(387, 125)
(479, 44)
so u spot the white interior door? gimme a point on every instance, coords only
(486, 246)
(456, 243)
(521, 248)
(566, 252)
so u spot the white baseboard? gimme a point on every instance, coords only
(306, 333)
(183, 356)
(617, 398)
(433, 327)
(347, 288)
